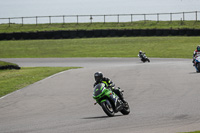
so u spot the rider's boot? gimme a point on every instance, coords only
(118, 91)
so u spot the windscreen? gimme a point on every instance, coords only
(98, 89)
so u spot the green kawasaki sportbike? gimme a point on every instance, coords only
(109, 101)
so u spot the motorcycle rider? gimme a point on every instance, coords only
(140, 54)
(196, 54)
(143, 56)
(100, 79)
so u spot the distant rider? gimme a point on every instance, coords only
(141, 54)
(100, 79)
(196, 54)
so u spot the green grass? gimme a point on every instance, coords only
(5, 28)
(193, 132)
(3, 63)
(11, 80)
(162, 47)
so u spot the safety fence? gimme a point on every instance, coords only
(182, 16)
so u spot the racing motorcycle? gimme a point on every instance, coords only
(143, 57)
(109, 101)
(197, 64)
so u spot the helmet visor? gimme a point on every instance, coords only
(97, 78)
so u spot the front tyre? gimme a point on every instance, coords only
(107, 108)
(126, 109)
(198, 67)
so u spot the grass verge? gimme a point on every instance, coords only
(12, 80)
(6, 28)
(3, 63)
(193, 132)
(7, 65)
(162, 47)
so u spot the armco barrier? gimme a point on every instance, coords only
(98, 33)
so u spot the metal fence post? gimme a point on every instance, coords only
(131, 18)
(118, 18)
(196, 16)
(49, 19)
(104, 19)
(157, 17)
(171, 17)
(144, 18)
(77, 19)
(63, 19)
(36, 20)
(22, 21)
(183, 16)
(91, 19)
(9, 21)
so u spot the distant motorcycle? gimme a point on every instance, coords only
(109, 101)
(143, 57)
(197, 64)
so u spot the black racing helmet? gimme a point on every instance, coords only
(198, 48)
(98, 76)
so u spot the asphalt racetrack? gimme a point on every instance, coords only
(163, 95)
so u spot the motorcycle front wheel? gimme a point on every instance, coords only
(125, 110)
(107, 108)
(198, 67)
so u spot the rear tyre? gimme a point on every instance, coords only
(126, 109)
(107, 108)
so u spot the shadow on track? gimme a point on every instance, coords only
(100, 117)
(193, 73)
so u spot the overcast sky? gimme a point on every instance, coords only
(22, 8)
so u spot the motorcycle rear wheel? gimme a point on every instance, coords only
(107, 108)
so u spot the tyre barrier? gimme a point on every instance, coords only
(9, 67)
(98, 33)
